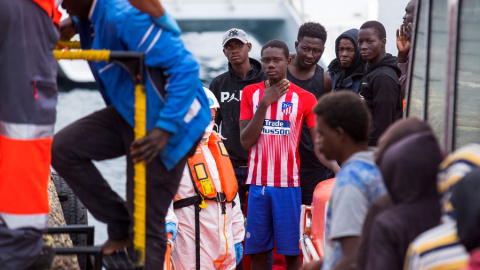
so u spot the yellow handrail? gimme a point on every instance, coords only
(89, 55)
(140, 180)
(68, 44)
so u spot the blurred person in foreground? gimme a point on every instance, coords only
(467, 210)
(343, 126)
(84, 27)
(348, 68)
(395, 133)
(440, 246)
(409, 169)
(404, 43)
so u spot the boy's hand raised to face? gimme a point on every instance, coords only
(274, 92)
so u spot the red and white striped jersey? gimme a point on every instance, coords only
(274, 160)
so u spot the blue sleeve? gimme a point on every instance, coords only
(169, 23)
(165, 50)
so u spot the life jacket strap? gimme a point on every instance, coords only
(186, 202)
(196, 200)
(220, 197)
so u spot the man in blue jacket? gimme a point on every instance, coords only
(177, 115)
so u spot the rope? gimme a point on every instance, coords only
(63, 44)
(89, 55)
(140, 183)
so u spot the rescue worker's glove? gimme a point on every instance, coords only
(170, 227)
(238, 252)
(167, 22)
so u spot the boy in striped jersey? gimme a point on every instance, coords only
(271, 117)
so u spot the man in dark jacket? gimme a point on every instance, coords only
(348, 68)
(305, 72)
(227, 87)
(380, 86)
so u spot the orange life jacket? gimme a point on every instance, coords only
(51, 9)
(204, 186)
(202, 177)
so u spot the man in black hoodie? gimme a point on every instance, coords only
(227, 87)
(380, 86)
(348, 68)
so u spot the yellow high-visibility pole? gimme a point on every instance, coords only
(140, 176)
(140, 118)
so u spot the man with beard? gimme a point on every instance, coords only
(380, 86)
(305, 72)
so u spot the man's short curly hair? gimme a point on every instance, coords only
(377, 27)
(346, 110)
(276, 43)
(312, 30)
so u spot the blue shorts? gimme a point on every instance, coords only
(275, 214)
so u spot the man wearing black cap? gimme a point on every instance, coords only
(227, 87)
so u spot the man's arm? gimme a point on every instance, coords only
(327, 82)
(155, 9)
(349, 253)
(171, 217)
(250, 130)
(403, 46)
(67, 29)
(164, 50)
(347, 217)
(330, 164)
(152, 7)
